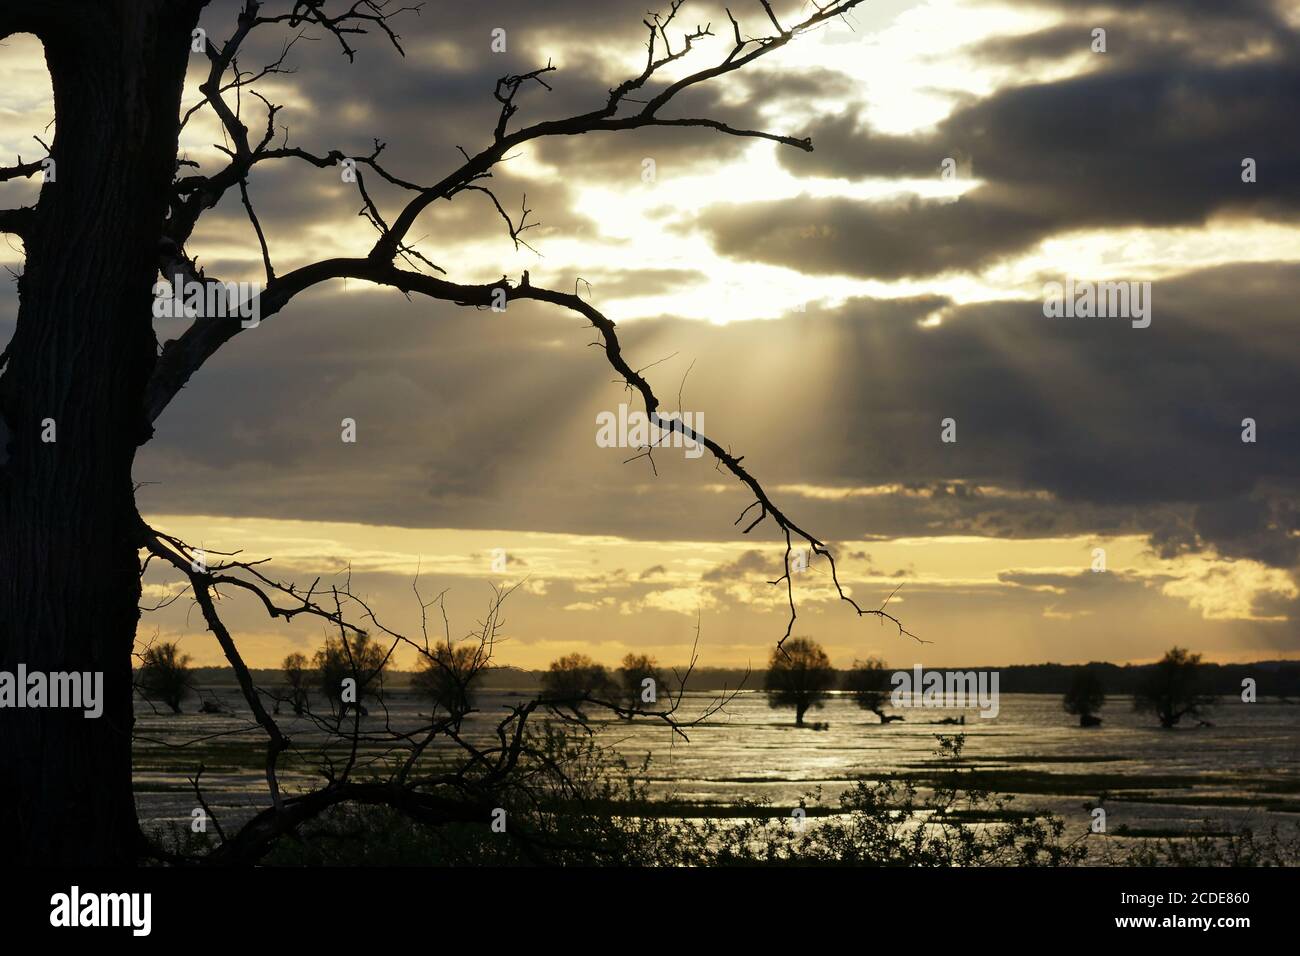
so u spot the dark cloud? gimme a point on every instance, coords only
(469, 419)
(472, 419)
(883, 240)
(749, 564)
(1150, 32)
(1148, 146)
(1258, 528)
(439, 97)
(1154, 135)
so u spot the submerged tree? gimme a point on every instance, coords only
(297, 680)
(350, 667)
(447, 676)
(165, 674)
(1172, 689)
(1084, 697)
(640, 682)
(798, 676)
(85, 380)
(868, 683)
(575, 680)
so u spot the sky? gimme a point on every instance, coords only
(825, 313)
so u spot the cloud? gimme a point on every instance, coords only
(1164, 32)
(751, 564)
(474, 419)
(1148, 147)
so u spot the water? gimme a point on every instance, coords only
(1245, 768)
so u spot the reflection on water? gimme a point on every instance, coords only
(1245, 767)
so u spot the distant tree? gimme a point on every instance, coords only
(632, 676)
(211, 705)
(165, 675)
(1172, 689)
(868, 683)
(356, 657)
(296, 680)
(576, 678)
(1085, 697)
(447, 675)
(798, 676)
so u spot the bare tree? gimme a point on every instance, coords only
(84, 363)
(1173, 689)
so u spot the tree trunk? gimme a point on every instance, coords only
(77, 366)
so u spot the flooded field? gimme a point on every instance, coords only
(1243, 769)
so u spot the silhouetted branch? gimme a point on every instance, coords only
(208, 337)
(469, 780)
(17, 221)
(485, 772)
(20, 171)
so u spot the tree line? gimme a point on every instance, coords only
(1274, 678)
(348, 671)
(799, 677)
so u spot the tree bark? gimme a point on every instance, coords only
(80, 357)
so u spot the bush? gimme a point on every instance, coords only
(631, 679)
(357, 658)
(593, 809)
(296, 680)
(868, 683)
(574, 680)
(1084, 697)
(164, 675)
(447, 675)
